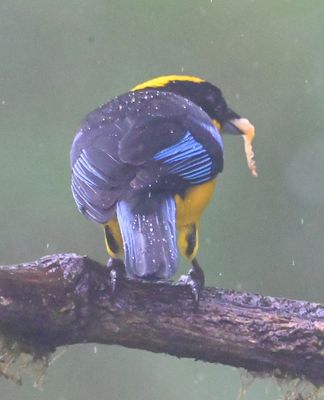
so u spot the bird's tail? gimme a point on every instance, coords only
(149, 237)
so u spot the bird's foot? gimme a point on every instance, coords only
(117, 274)
(195, 279)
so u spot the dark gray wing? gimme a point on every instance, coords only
(99, 177)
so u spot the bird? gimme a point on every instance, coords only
(144, 165)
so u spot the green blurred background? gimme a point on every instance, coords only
(61, 59)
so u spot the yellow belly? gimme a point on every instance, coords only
(189, 210)
(191, 206)
(113, 238)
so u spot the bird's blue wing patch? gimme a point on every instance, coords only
(188, 159)
(87, 173)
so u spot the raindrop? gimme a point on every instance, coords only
(199, 377)
(208, 241)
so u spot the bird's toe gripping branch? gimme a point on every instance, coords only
(117, 274)
(195, 280)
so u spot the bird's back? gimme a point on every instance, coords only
(117, 148)
(130, 157)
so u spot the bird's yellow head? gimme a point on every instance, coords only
(211, 100)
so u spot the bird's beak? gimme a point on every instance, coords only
(242, 126)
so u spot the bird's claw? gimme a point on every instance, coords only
(195, 279)
(117, 274)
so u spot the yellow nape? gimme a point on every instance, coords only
(189, 210)
(161, 81)
(113, 239)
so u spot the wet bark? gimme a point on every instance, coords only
(66, 299)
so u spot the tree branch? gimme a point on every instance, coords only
(65, 299)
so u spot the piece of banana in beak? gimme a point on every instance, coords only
(244, 127)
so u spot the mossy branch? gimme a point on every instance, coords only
(66, 299)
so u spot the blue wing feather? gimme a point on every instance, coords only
(188, 159)
(186, 147)
(95, 192)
